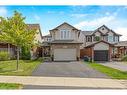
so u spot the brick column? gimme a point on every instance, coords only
(110, 52)
(92, 51)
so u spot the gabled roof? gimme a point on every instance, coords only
(103, 26)
(35, 26)
(116, 33)
(109, 30)
(63, 24)
(91, 45)
(97, 30)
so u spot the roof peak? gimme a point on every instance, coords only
(64, 23)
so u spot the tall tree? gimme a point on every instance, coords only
(14, 31)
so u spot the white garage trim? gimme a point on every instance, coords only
(64, 54)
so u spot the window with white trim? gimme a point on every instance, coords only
(65, 34)
(110, 38)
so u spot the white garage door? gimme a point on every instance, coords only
(64, 54)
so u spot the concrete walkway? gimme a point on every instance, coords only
(122, 66)
(64, 82)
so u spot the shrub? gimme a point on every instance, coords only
(4, 56)
(124, 58)
(25, 53)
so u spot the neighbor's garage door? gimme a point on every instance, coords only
(101, 55)
(64, 54)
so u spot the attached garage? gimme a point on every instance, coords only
(101, 52)
(64, 54)
(101, 55)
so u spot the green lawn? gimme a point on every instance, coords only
(111, 72)
(10, 86)
(25, 67)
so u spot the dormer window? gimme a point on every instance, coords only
(65, 34)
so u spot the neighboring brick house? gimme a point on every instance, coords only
(11, 49)
(99, 45)
(65, 45)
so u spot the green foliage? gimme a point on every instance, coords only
(111, 72)
(15, 31)
(124, 58)
(26, 67)
(97, 38)
(4, 55)
(10, 86)
(25, 53)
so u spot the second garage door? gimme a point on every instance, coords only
(101, 55)
(64, 54)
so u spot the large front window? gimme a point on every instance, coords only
(65, 34)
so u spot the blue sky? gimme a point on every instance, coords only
(82, 17)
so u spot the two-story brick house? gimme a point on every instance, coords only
(65, 45)
(98, 44)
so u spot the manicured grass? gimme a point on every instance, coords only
(111, 72)
(10, 86)
(25, 67)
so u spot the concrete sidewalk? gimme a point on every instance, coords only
(122, 66)
(64, 81)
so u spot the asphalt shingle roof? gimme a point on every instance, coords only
(88, 32)
(121, 43)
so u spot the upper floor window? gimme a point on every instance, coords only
(110, 38)
(65, 34)
(116, 39)
(88, 38)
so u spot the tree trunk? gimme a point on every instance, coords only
(17, 65)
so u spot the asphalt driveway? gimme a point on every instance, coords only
(67, 69)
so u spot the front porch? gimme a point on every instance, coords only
(11, 49)
(120, 52)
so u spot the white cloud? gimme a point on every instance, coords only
(3, 11)
(123, 32)
(95, 22)
(78, 15)
(37, 17)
